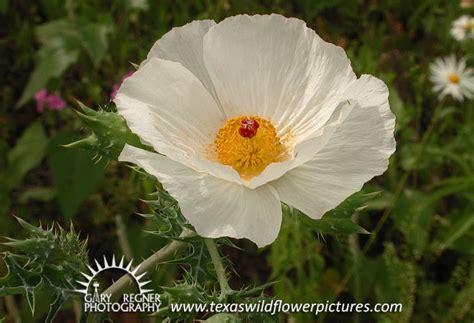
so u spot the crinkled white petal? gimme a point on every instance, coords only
(169, 109)
(306, 149)
(215, 207)
(167, 106)
(184, 45)
(277, 68)
(357, 151)
(367, 91)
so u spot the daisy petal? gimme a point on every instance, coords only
(358, 150)
(215, 207)
(184, 45)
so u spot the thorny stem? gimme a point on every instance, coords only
(125, 283)
(219, 267)
(386, 214)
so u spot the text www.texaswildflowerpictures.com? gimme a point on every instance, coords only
(277, 306)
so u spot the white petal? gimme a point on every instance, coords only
(357, 151)
(370, 92)
(273, 66)
(306, 149)
(367, 91)
(184, 45)
(215, 207)
(169, 109)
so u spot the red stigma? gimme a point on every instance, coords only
(248, 128)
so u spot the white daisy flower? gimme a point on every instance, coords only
(463, 28)
(452, 77)
(250, 112)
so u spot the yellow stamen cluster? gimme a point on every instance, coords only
(248, 155)
(453, 78)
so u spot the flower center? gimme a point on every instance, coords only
(468, 27)
(248, 145)
(453, 78)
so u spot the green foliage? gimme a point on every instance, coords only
(51, 259)
(463, 303)
(74, 172)
(458, 234)
(62, 41)
(223, 318)
(413, 216)
(297, 264)
(28, 152)
(397, 285)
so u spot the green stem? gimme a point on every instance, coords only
(126, 283)
(12, 309)
(122, 238)
(219, 267)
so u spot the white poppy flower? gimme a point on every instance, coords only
(452, 77)
(250, 112)
(463, 28)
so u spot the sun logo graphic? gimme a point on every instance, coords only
(97, 301)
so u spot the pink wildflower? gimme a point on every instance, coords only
(48, 101)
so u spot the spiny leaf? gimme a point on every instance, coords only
(109, 133)
(253, 291)
(223, 318)
(48, 258)
(56, 306)
(349, 206)
(19, 280)
(339, 220)
(38, 231)
(197, 260)
(182, 293)
(167, 215)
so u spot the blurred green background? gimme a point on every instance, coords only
(420, 252)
